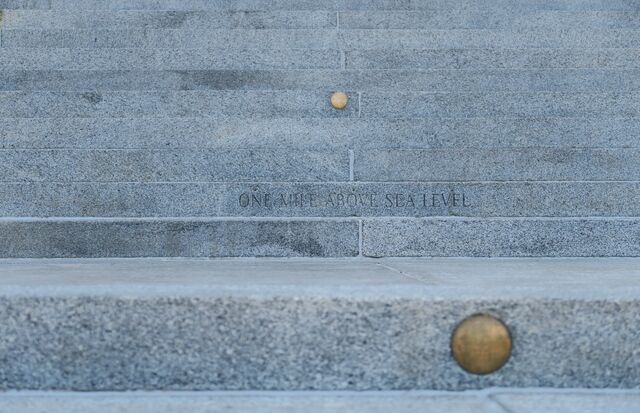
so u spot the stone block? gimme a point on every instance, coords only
(205, 238)
(501, 237)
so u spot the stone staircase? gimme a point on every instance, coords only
(488, 161)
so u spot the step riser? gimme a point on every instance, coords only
(570, 81)
(20, 19)
(381, 237)
(572, 5)
(235, 58)
(301, 104)
(242, 343)
(393, 165)
(509, 199)
(179, 238)
(425, 20)
(319, 39)
(233, 133)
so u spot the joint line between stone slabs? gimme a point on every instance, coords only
(493, 400)
(178, 219)
(402, 273)
(352, 158)
(360, 240)
(310, 218)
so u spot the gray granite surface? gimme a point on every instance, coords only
(501, 237)
(196, 103)
(319, 199)
(113, 325)
(313, 133)
(179, 237)
(490, 401)
(162, 165)
(491, 80)
(473, 128)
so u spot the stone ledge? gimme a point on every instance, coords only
(300, 324)
(491, 401)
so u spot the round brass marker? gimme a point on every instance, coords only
(339, 100)
(481, 344)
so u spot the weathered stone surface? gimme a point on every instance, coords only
(509, 105)
(562, 5)
(492, 401)
(178, 238)
(216, 104)
(569, 402)
(526, 237)
(168, 59)
(471, 39)
(24, 4)
(320, 38)
(451, 18)
(425, 58)
(294, 325)
(517, 164)
(171, 38)
(237, 133)
(204, 199)
(160, 165)
(525, 114)
(567, 5)
(262, 402)
(90, 19)
(490, 80)
(224, 4)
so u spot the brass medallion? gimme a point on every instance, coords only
(339, 100)
(481, 344)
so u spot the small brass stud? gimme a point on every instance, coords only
(339, 100)
(481, 344)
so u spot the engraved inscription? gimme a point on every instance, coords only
(353, 200)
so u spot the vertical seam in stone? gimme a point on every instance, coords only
(359, 104)
(496, 402)
(360, 252)
(337, 20)
(352, 158)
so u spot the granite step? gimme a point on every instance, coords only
(319, 19)
(484, 80)
(179, 165)
(273, 59)
(320, 199)
(423, 57)
(313, 133)
(451, 18)
(115, 325)
(218, 104)
(213, 237)
(491, 401)
(316, 104)
(300, 165)
(151, 19)
(178, 237)
(570, 5)
(320, 38)
(25, 4)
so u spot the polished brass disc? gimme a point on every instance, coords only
(481, 344)
(339, 100)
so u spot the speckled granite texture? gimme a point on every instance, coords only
(108, 325)
(203, 128)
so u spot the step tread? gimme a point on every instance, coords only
(424, 278)
(493, 401)
(352, 324)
